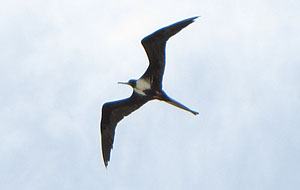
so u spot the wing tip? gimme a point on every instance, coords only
(195, 17)
(106, 164)
(188, 20)
(192, 19)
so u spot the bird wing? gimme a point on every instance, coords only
(112, 113)
(154, 45)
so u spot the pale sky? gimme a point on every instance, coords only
(237, 65)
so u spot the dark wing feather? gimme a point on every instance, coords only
(112, 113)
(155, 44)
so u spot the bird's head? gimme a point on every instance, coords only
(131, 83)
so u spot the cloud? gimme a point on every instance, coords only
(237, 65)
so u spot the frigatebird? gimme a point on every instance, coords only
(148, 87)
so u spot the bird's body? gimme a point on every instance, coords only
(148, 87)
(142, 85)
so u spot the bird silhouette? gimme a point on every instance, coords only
(146, 88)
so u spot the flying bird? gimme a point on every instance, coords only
(146, 88)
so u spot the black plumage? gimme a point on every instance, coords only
(148, 87)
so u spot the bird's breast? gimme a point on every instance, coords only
(142, 85)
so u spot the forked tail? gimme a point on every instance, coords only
(177, 104)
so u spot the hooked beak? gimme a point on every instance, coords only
(123, 83)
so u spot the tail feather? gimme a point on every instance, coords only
(177, 104)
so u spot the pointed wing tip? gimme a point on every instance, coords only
(193, 18)
(106, 164)
(106, 157)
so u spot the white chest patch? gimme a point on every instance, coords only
(142, 85)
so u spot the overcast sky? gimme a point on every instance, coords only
(238, 65)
